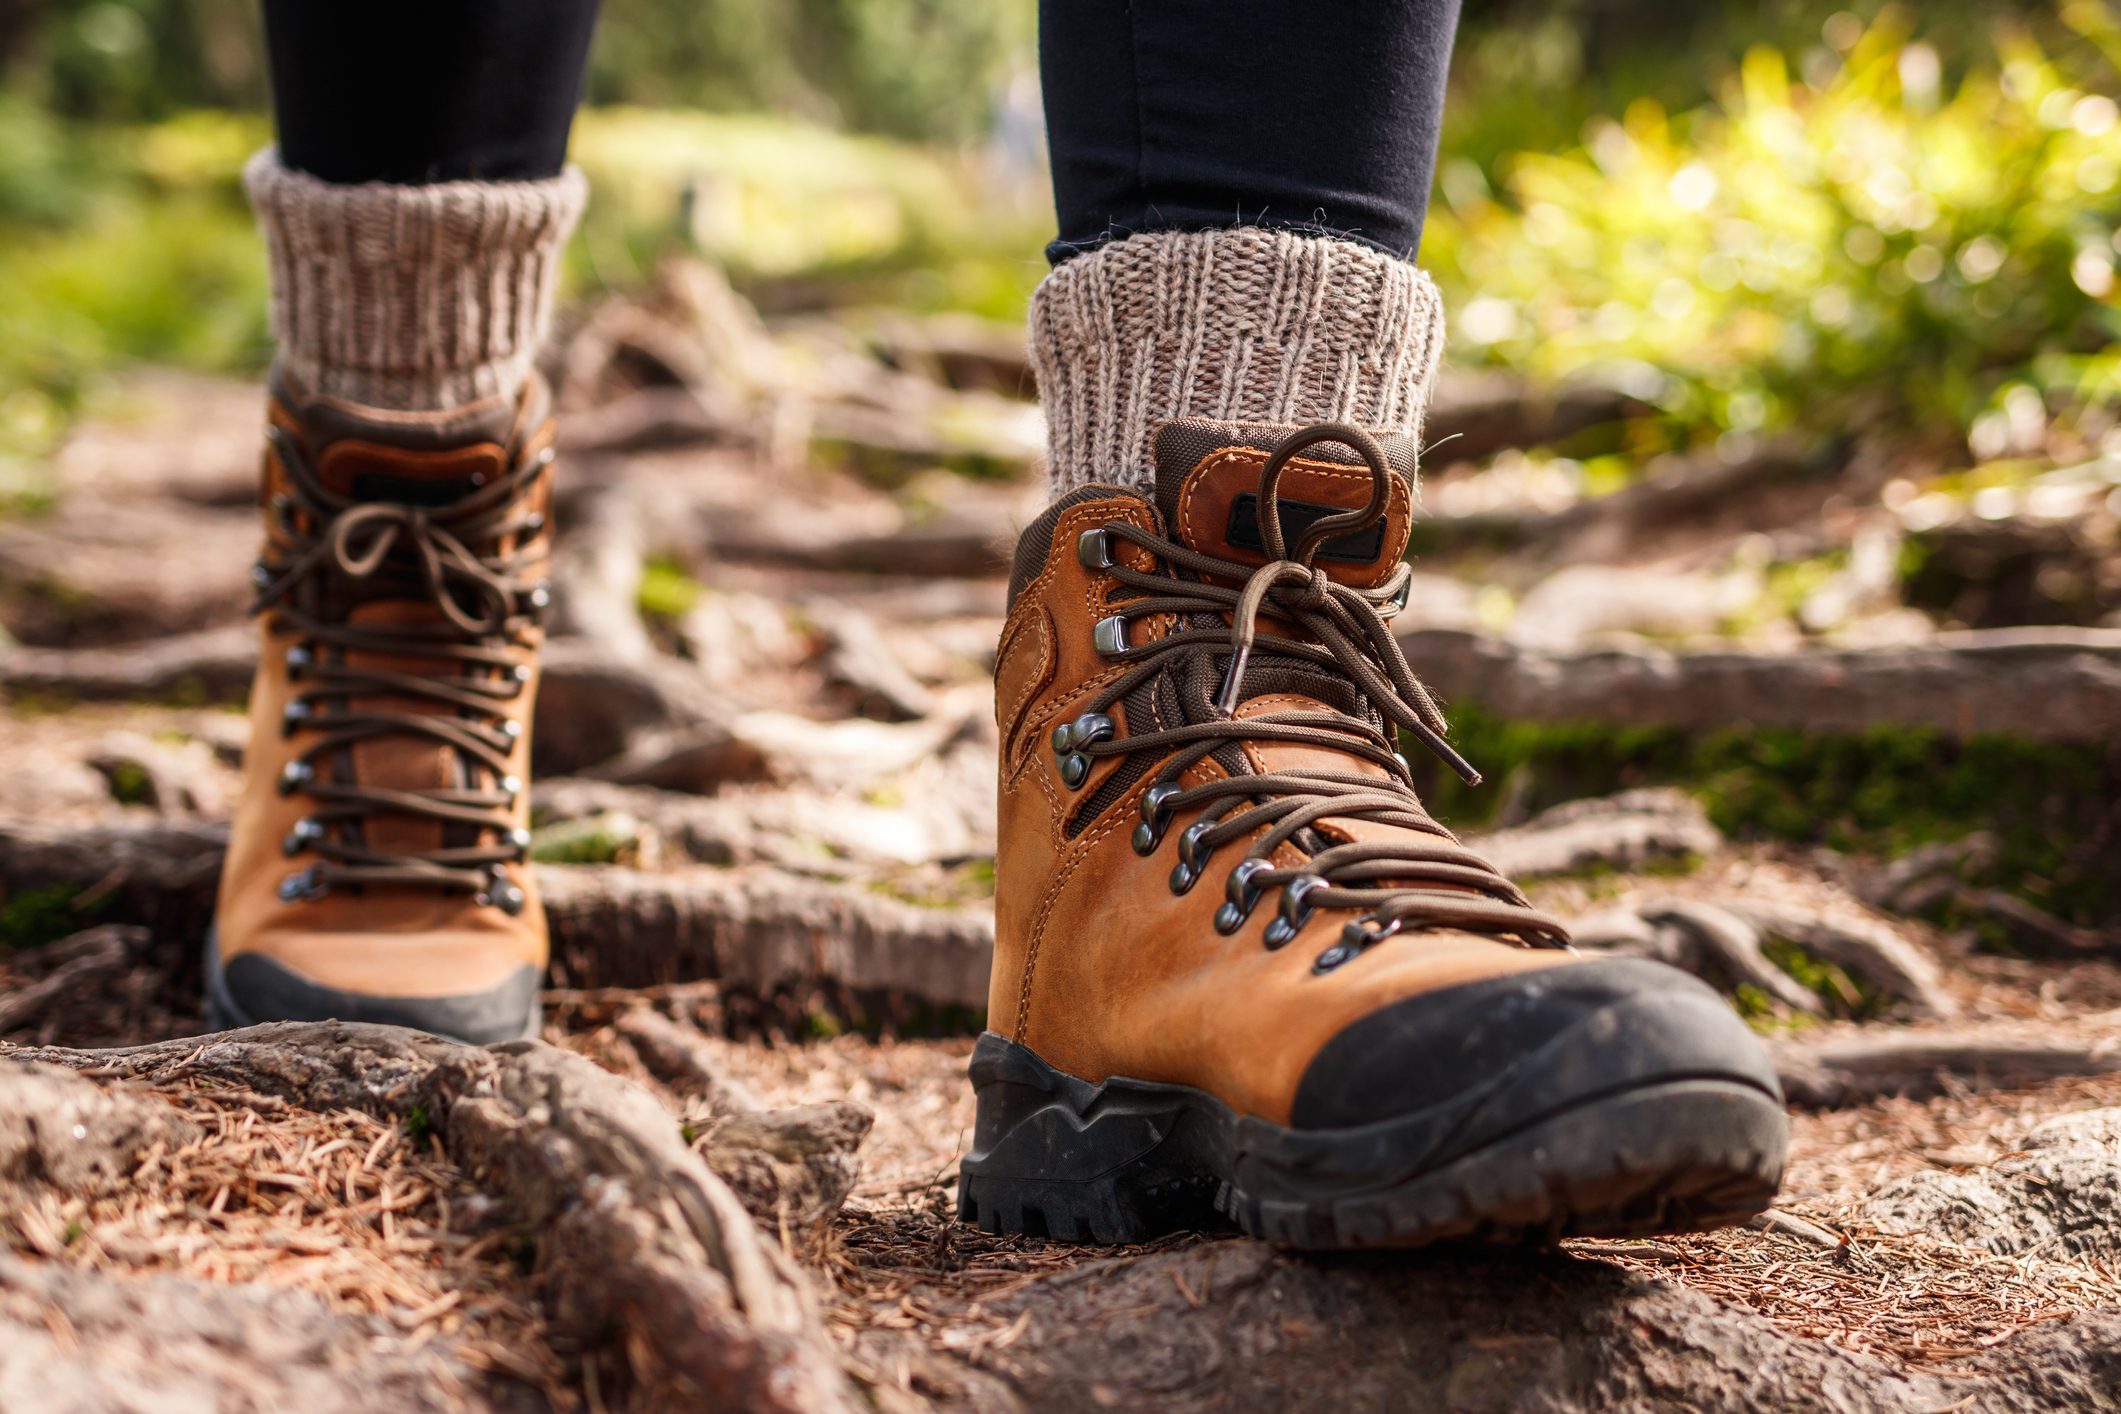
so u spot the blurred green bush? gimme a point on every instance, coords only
(1868, 246)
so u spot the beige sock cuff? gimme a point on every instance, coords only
(1245, 325)
(417, 297)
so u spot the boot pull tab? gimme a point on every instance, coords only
(1325, 528)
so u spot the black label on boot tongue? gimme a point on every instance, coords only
(1356, 547)
(426, 491)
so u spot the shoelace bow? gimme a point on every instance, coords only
(1425, 879)
(338, 547)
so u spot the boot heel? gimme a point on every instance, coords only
(1054, 1156)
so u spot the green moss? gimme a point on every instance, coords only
(34, 917)
(130, 783)
(667, 592)
(1843, 995)
(570, 843)
(1882, 791)
(418, 1123)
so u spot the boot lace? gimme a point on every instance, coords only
(338, 552)
(1340, 651)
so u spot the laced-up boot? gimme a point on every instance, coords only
(376, 870)
(1241, 975)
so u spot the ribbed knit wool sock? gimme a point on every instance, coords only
(1241, 325)
(411, 297)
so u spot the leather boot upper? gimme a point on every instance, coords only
(1212, 859)
(379, 847)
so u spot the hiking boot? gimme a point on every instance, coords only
(376, 870)
(1240, 973)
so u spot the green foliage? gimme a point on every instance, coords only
(912, 68)
(793, 206)
(1867, 243)
(418, 1123)
(1883, 791)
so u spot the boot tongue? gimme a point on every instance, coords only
(1207, 487)
(412, 458)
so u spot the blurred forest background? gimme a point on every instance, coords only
(1770, 566)
(1774, 327)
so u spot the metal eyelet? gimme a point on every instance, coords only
(519, 838)
(1070, 738)
(540, 596)
(1354, 938)
(1192, 856)
(501, 892)
(511, 728)
(295, 717)
(283, 512)
(305, 833)
(1156, 816)
(1294, 911)
(1109, 635)
(299, 659)
(1243, 894)
(261, 575)
(302, 886)
(520, 672)
(534, 522)
(511, 786)
(295, 775)
(1093, 549)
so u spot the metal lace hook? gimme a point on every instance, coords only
(1327, 527)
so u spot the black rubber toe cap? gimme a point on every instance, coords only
(255, 988)
(1489, 1057)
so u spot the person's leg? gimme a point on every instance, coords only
(414, 212)
(1240, 973)
(1195, 115)
(1240, 191)
(416, 202)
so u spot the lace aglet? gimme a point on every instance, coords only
(1450, 756)
(1233, 682)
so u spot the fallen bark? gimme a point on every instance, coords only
(1961, 684)
(639, 1244)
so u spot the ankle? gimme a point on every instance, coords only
(411, 297)
(1240, 325)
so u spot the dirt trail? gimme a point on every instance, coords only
(766, 823)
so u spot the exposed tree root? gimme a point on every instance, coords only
(637, 1238)
(1238, 1325)
(1624, 831)
(757, 930)
(81, 1340)
(2057, 1195)
(1962, 684)
(1849, 1069)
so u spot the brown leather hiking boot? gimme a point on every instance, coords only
(1239, 971)
(376, 867)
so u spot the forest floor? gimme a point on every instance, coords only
(765, 823)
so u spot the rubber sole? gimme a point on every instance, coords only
(308, 1002)
(1054, 1156)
